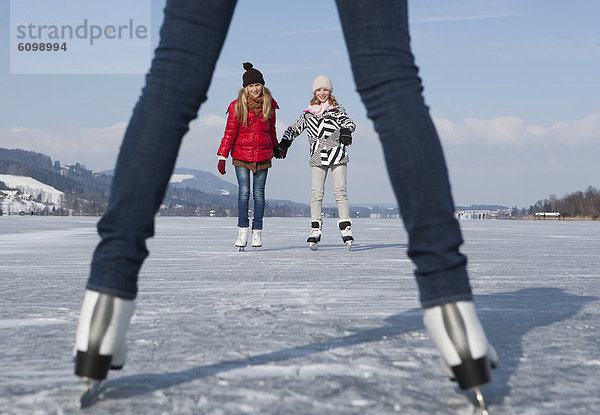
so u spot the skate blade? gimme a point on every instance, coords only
(240, 249)
(480, 401)
(349, 246)
(91, 394)
(312, 246)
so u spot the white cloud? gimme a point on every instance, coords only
(212, 120)
(579, 131)
(505, 160)
(280, 127)
(512, 130)
(69, 145)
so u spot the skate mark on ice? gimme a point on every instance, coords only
(334, 247)
(368, 247)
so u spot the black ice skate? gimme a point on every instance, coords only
(467, 357)
(315, 234)
(345, 226)
(100, 340)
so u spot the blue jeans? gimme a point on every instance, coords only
(377, 38)
(258, 195)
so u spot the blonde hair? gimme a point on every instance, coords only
(241, 106)
(316, 101)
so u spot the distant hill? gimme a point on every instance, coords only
(203, 181)
(84, 190)
(190, 192)
(198, 180)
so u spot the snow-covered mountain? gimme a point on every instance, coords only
(203, 181)
(86, 192)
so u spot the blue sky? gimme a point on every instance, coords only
(513, 88)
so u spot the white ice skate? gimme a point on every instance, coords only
(100, 340)
(315, 234)
(256, 239)
(467, 357)
(242, 239)
(345, 226)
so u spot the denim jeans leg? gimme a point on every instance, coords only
(319, 174)
(243, 178)
(258, 192)
(191, 39)
(388, 82)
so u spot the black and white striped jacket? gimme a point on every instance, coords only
(323, 135)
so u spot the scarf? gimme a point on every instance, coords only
(255, 104)
(318, 109)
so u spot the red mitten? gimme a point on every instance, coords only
(221, 166)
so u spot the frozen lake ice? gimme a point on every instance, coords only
(285, 330)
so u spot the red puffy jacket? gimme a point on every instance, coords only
(255, 142)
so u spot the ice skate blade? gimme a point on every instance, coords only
(91, 394)
(349, 246)
(480, 401)
(241, 248)
(313, 246)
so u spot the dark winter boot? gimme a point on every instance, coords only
(345, 226)
(100, 341)
(315, 234)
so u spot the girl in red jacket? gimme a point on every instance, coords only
(250, 137)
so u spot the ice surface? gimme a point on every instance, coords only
(286, 330)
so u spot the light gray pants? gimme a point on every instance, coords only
(338, 176)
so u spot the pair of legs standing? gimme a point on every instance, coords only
(378, 42)
(258, 195)
(339, 178)
(339, 174)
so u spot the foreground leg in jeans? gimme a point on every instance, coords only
(387, 80)
(175, 87)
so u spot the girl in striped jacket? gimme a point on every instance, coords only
(329, 132)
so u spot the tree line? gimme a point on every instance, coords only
(580, 204)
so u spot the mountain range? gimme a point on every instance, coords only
(190, 191)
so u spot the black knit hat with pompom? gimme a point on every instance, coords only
(251, 76)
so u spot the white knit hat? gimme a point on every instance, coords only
(322, 81)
